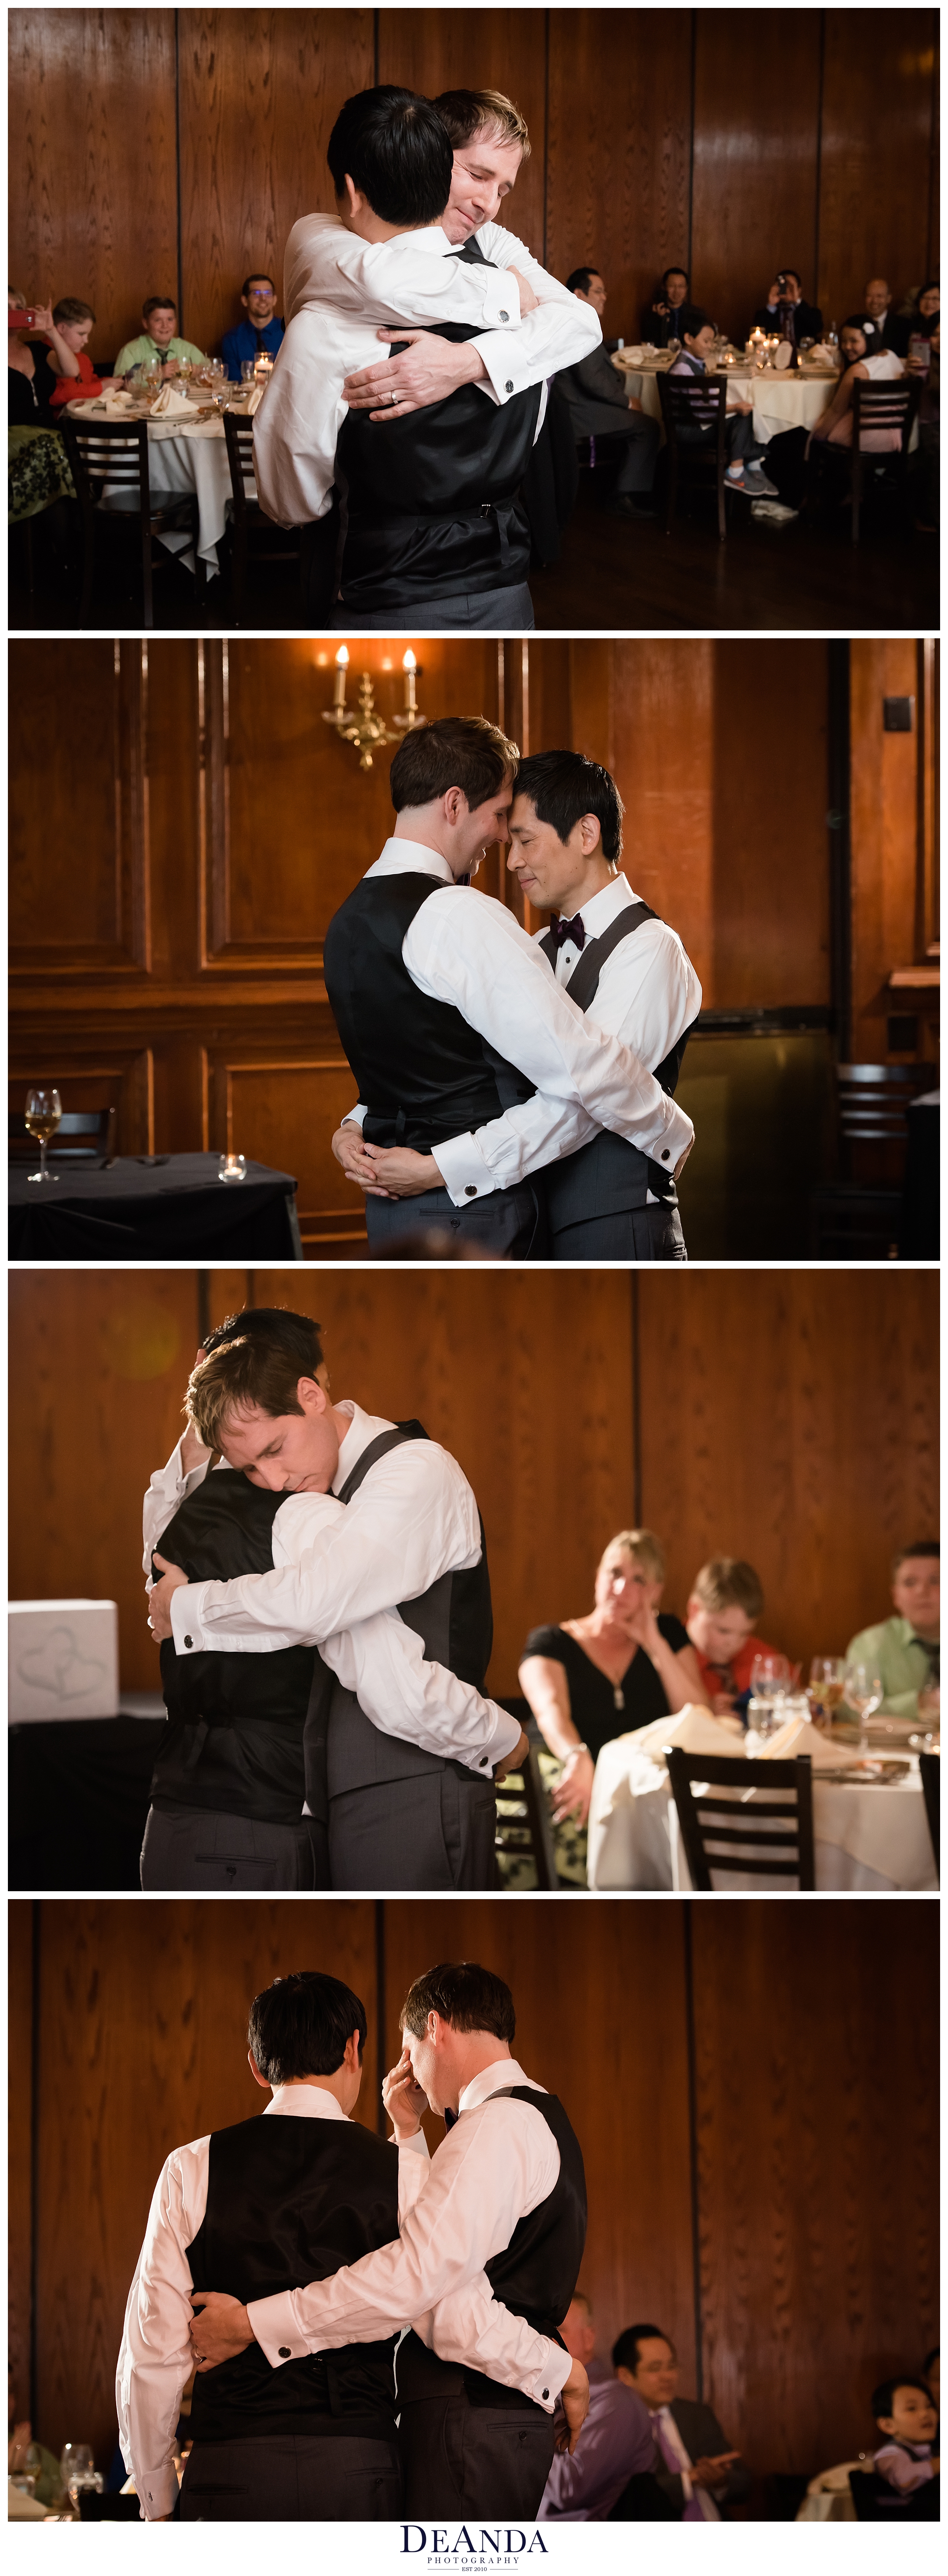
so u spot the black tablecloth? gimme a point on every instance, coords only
(78, 1802)
(170, 1210)
(919, 1229)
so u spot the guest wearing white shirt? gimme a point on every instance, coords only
(255, 2203)
(865, 360)
(388, 1765)
(505, 2197)
(475, 1071)
(693, 2465)
(624, 966)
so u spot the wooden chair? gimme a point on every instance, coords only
(875, 2501)
(689, 405)
(773, 1839)
(857, 1217)
(890, 405)
(250, 521)
(111, 472)
(92, 1129)
(930, 1767)
(523, 1820)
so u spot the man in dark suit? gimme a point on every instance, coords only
(786, 310)
(891, 328)
(599, 407)
(695, 2469)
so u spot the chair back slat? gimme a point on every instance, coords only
(114, 452)
(754, 1832)
(96, 1126)
(930, 1767)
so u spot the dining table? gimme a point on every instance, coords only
(783, 398)
(193, 459)
(152, 1207)
(870, 1827)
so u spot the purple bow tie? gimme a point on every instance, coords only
(563, 930)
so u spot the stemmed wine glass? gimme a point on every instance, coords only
(44, 1110)
(862, 1691)
(826, 1688)
(77, 2470)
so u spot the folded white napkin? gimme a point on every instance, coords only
(255, 401)
(171, 406)
(820, 356)
(694, 1730)
(798, 1736)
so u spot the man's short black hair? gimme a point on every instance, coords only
(581, 277)
(860, 322)
(394, 148)
(625, 2353)
(257, 277)
(676, 270)
(791, 272)
(881, 2399)
(301, 2026)
(692, 319)
(563, 785)
(469, 1997)
(296, 1334)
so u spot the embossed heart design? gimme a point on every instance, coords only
(59, 1666)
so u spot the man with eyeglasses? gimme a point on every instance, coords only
(261, 329)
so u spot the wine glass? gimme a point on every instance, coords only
(826, 1687)
(44, 1110)
(76, 2469)
(862, 1691)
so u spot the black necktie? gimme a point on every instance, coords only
(563, 930)
(933, 1653)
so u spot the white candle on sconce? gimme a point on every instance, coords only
(342, 666)
(410, 666)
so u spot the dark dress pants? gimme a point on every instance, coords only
(193, 1847)
(293, 2477)
(631, 1234)
(459, 2459)
(434, 1831)
(507, 1225)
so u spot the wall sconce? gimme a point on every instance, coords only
(365, 729)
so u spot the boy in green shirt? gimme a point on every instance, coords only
(157, 340)
(904, 1651)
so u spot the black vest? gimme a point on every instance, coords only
(423, 1073)
(608, 1175)
(234, 1739)
(535, 2275)
(290, 2201)
(454, 1619)
(432, 500)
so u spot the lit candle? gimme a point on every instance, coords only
(342, 665)
(409, 666)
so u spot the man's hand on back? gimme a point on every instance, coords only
(159, 1598)
(220, 2328)
(574, 2399)
(425, 372)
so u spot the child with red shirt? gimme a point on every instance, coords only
(74, 321)
(726, 1598)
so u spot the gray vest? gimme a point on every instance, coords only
(608, 1175)
(342, 1748)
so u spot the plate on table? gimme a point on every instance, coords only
(870, 1772)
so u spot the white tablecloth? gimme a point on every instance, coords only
(193, 460)
(864, 1838)
(780, 401)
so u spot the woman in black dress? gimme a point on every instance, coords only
(604, 1675)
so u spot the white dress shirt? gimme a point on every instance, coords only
(364, 278)
(497, 2163)
(156, 2360)
(480, 960)
(379, 1658)
(344, 290)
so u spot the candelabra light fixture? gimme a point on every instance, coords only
(364, 727)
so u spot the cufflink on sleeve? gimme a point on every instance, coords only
(470, 1189)
(505, 317)
(284, 2351)
(666, 1157)
(546, 2392)
(508, 388)
(189, 1641)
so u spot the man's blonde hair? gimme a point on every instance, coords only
(466, 112)
(643, 1545)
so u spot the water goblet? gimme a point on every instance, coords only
(863, 1692)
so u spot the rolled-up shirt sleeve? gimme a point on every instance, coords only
(155, 2358)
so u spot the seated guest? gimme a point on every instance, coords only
(158, 339)
(918, 317)
(695, 2469)
(661, 319)
(864, 360)
(618, 1668)
(726, 1598)
(610, 2476)
(30, 379)
(787, 311)
(600, 407)
(924, 466)
(904, 2413)
(261, 327)
(890, 329)
(905, 1649)
(744, 472)
(76, 379)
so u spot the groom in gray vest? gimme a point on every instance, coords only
(628, 970)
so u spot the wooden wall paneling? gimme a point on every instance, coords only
(803, 2117)
(553, 1480)
(791, 1419)
(93, 161)
(601, 2022)
(20, 2150)
(94, 916)
(283, 1110)
(259, 93)
(93, 1353)
(756, 158)
(885, 838)
(144, 2018)
(771, 903)
(879, 82)
(431, 50)
(619, 150)
(647, 711)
